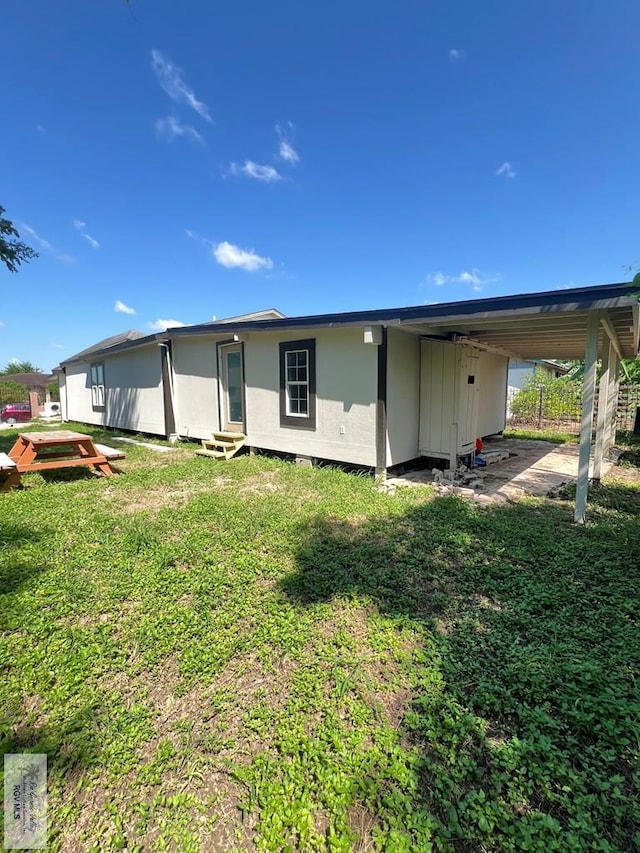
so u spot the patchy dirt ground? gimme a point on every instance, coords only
(534, 468)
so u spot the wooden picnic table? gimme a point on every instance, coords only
(43, 451)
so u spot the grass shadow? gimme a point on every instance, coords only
(527, 720)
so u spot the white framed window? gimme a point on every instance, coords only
(97, 385)
(298, 384)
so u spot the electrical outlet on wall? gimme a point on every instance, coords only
(342, 429)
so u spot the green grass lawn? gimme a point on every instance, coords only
(255, 656)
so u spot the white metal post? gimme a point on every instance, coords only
(586, 423)
(613, 398)
(610, 424)
(604, 414)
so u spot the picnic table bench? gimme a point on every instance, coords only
(9, 474)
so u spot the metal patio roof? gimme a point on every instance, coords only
(547, 325)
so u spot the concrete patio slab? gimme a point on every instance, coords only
(533, 468)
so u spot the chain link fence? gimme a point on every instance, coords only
(558, 405)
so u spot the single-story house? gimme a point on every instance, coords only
(374, 388)
(37, 382)
(519, 370)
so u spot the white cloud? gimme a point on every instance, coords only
(79, 225)
(233, 257)
(46, 246)
(122, 308)
(286, 151)
(91, 241)
(261, 173)
(455, 55)
(171, 128)
(266, 174)
(58, 346)
(170, 78)
(471, 277)
(160, 325)
(506, 170)
(1, 324)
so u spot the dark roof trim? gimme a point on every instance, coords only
(577, 299)
(549, 301)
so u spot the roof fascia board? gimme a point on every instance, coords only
(125, 345)
(508, 307)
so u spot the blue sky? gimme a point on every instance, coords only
(190, 159)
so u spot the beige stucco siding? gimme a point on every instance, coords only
(196, 386)
(78, 396)
(492, 402)
(62, 390)
(403, 396)
(133, 391)
(346, 393)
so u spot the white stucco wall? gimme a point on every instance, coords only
(492, 400)
(133, 391)
(196, 386)
(78, 396)
(403, 396)
(62, 388)
(346, 394)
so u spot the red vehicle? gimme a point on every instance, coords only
(14, 413)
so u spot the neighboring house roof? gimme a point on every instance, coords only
(554, 365)
(267, 314)
(106, 344)
(29, 380)
(528, 325)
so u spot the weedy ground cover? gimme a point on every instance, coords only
(255, 656)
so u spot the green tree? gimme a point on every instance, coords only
(13, 251)
(19, 367)
(630, 369)
(12, 392)
(544, 398)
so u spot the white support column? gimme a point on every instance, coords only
(604, 413)
(612, 411)
(586, 423)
